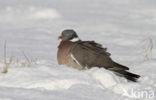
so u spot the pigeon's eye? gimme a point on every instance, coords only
(66, 34)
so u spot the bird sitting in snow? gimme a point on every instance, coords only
(87, 54)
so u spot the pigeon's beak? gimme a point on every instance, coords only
(60, 37)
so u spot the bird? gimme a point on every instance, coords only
(83, 55)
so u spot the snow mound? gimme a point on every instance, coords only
(28, 13)
(106, 78)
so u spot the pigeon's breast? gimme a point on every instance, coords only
(64, 52)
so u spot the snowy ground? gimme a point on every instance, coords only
(33, 26)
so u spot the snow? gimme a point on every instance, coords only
(123, 26)
(27, 13)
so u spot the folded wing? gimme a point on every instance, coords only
(90, 54)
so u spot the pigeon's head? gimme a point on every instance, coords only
(69, 35)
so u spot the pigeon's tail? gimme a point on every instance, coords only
(127, 75)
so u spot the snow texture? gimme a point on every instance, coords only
(123, 26)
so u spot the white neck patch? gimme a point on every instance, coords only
(75, 39)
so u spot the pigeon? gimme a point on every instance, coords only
(83, 55)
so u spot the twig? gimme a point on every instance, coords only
(27, 59)
(149, 49)
(5, 69)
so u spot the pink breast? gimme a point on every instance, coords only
(63, 51)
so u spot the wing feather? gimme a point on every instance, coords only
(91, 54)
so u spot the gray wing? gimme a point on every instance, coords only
(90, 54)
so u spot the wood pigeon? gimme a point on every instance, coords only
(87, 54)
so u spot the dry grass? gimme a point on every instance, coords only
(28, 63)
(5, 68)
(17, 62)
(148, 52)
(34, 61)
